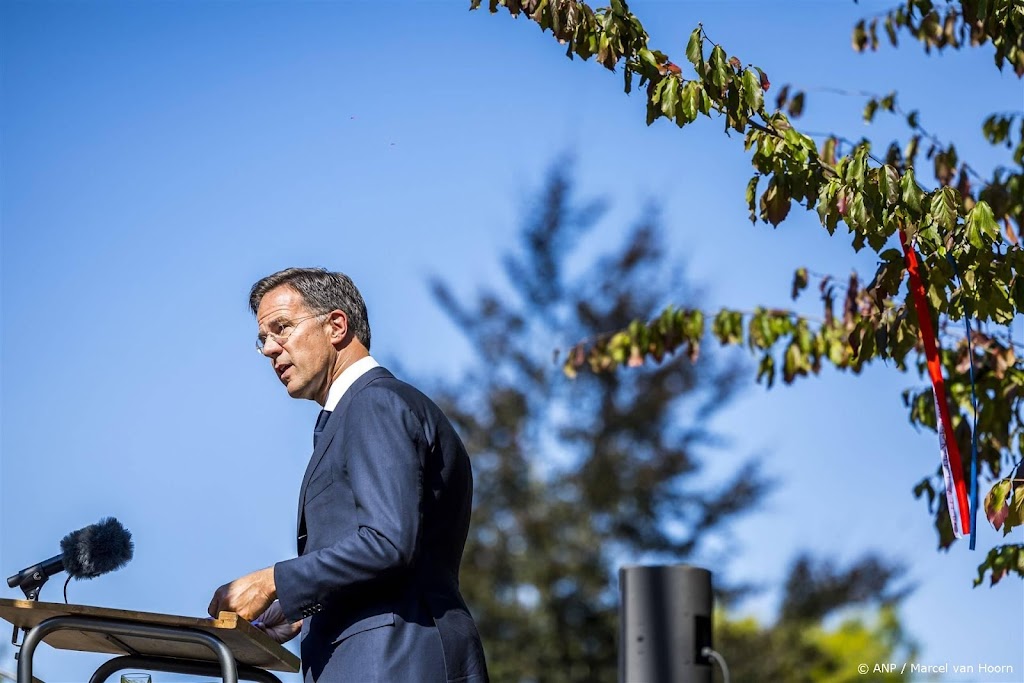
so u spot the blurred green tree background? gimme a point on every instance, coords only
(576, 477)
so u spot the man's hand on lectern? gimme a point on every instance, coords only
(247, 596)
(274, 624)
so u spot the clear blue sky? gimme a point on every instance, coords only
(158, 158)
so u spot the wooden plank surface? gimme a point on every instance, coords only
(248, 644)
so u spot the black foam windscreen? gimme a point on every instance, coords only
(97, 549)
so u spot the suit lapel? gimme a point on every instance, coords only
(330, 433)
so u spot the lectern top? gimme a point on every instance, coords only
(248, 644)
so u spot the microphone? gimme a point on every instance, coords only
(85, 554)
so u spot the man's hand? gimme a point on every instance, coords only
(274, 624)
(247, 597)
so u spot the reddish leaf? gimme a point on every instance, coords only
(828, 150)
(782, 97)
(796, 105)
(963, 186)
(841, 202)
(693, 350)
(774, 203)
(998, 574)
(735, 62)
(996, 508)
(850, 306)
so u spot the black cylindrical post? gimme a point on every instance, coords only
(664, 623)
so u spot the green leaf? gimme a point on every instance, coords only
(982, 10)
(752, 197)
(695, 48)
(981, 225)
(858, 241)
(856, 212)
(753, 97)
(692, 325)
(759, 331)
(827, 212)
(870, 109)
(889, 184)
(860, 36)
(705, 103)
(1000, 561)
(1000, 304)
(890, 31)
(856, 168)
(837, 352)
(1015, 518)
(689, 102)
(670, 97)
(736, 116)
(795, 363)
(924, 486)
(647, 58)
(911, 150)
(766, 369)
(718, 68)
(912, 194)
(943, 208)
(799, 282)
(654, 92)
(803, 337)
(936, 297)
(728, 327)
(1017, 295)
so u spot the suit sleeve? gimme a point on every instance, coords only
(384, 450)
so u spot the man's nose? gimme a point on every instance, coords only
(271, 348)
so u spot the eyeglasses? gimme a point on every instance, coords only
(281, 336)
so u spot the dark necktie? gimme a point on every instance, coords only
(321, 422)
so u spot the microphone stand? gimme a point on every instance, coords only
(31, 580)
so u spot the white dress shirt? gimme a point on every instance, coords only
(346, 379)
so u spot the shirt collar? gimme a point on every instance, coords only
(346, 379)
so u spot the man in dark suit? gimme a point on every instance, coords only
(384, 505)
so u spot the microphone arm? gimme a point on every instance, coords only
(31, 579)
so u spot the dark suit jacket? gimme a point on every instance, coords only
(383, 517)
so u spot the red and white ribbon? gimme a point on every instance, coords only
(952, 467)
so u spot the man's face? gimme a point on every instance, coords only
(304, 360)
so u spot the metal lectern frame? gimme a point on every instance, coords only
(228, 668)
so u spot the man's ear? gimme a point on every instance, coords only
(338, 322)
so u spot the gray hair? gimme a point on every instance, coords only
(322, 292)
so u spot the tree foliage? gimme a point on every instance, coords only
(575, 478)
(964, 229)
(800, 647)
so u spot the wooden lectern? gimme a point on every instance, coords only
(229, 647)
